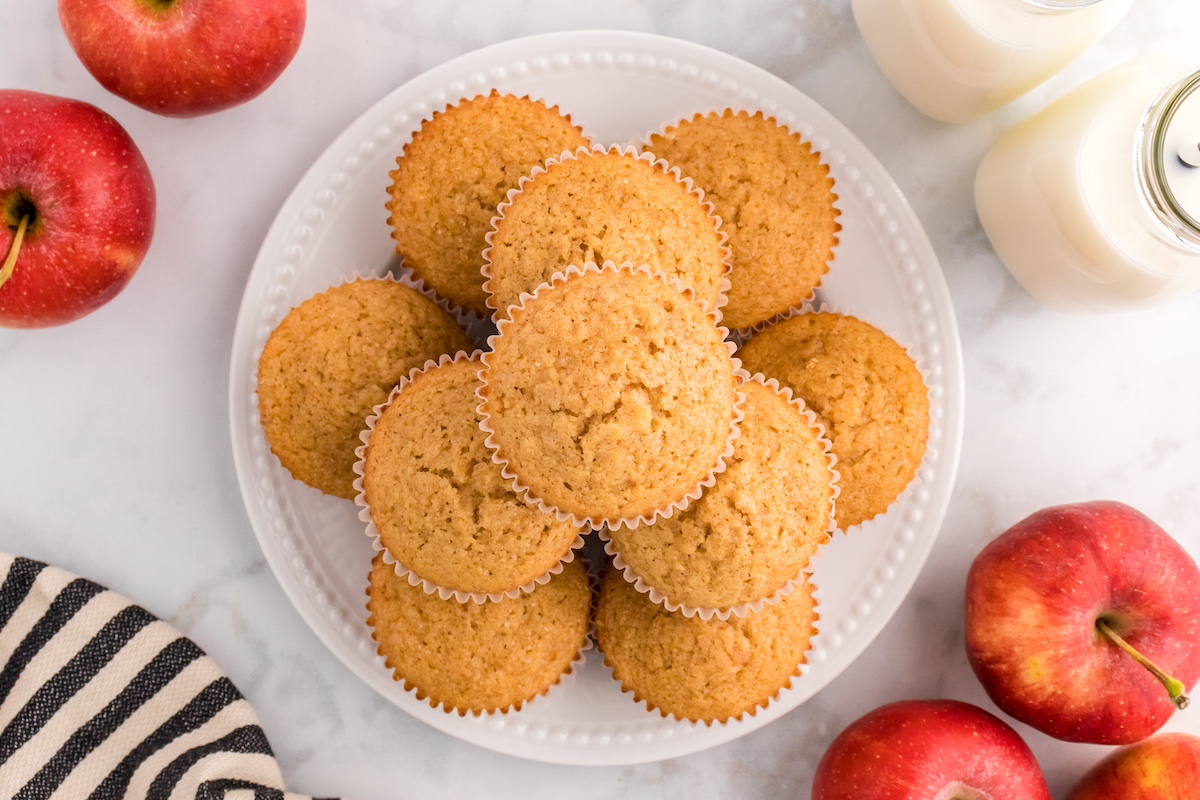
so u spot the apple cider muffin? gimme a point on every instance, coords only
(702, 670)
(753, 532)
(605, 205)
(477, 658)
(334, 358)
(439, 503)
(458, 167)
(776, 203)
(867, 393)
(610, 396)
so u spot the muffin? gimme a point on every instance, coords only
(750, 535)
(453, 174)
(776, 202)
(866, 392)
(702, 670)
(477, 658)
(610, 396)
(439, 503)
(334, 358)
(602, 206)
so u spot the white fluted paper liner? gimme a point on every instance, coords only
(596, 149)
(643, 143)
(740, 376)
(477, 325)
(561, 683)
(814, 643)
(364, 514)
(754, 606)
(930, 450)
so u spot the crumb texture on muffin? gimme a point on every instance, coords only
(604, 206)
(610, 395)
(702, 670)
(439, 502)
(776, 203)
(458, 167)
(471, 657)
(865, 390)
(756, 528)
(333, 359)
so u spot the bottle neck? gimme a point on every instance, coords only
(1058, 5)
(1170, 185)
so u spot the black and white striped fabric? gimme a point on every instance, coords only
(100, 699)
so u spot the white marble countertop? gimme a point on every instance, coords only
(116, 464)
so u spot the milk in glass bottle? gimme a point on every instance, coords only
(1093, 204)
(958, 59)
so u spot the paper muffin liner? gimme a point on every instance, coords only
(642, 144)
(479, 326)
(364, 514)
(916, 480)
(753, 607)
(799, 672)
(596, 149)
(740, 376)
(564, 680)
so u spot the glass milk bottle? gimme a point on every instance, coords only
(959, 59)
(1093, 204)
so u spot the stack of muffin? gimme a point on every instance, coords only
(611, 401)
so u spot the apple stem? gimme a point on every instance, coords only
(1175, 688)
(10, 263)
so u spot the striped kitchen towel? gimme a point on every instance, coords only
(100, 699)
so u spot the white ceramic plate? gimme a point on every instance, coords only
(618, 86)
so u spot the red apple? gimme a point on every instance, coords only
(1165, 767)
(929, 750)
(1076, 614)
(76, 209)
(182, 58)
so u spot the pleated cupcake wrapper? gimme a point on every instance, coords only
(478, 325)
(568, 676)
(753, 607)
(740, 376)
(642, 143)
(631, 152)
(372, 531)
(799, 672)
(916, 481)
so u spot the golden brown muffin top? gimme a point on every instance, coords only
(602, 206)
(440, 504)
(453, 174)
(610, 395)
(866, 392)
(702, 670)
(471, 657)
(334, 358)
(756, 528)
(775, 200)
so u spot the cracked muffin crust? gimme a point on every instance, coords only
(702, 670)
(602, 206)
(865, 390)
(440, 504)
(470, 657)
(458, 167)
(755, 529)
(775, 200)
(610, 396)
(334, 358)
